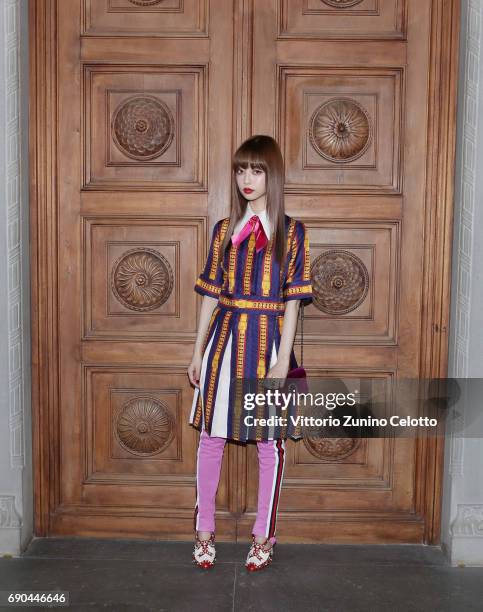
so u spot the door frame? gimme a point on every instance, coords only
(438, 229)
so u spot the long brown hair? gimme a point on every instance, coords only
(261, 152)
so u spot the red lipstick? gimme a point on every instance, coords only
(247, 190)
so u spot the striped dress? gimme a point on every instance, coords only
(244, 332)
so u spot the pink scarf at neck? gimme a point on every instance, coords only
(252, 225)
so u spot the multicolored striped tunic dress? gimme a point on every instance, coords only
(244, 333)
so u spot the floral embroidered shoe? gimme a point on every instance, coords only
(259, 555)
(204, 554)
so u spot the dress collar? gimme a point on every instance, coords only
(248, 214)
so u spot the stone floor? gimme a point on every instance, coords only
(144, 575)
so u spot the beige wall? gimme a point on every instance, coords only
(463, 487)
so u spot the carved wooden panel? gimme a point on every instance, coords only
(144, 127)
(342, 19)
(133, 274)
(136, 434)
(160, 18)
(333, 468)
(132, 431)
(361, 457)
(341, 129)
(354, 270)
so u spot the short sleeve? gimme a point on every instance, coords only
(298, 285)
(210, 281)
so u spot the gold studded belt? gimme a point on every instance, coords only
(263, 306)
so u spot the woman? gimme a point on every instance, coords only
(256, 274)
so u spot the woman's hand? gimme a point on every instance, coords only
(194, 370)
(279, 370)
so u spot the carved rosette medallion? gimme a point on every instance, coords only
(331, 449)
(142, 279)
(340, 130)
(142, 127)
(341, 3)
(145, 2)
(144, 426)
(340, 281)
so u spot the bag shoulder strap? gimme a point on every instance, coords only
(301, 307)
(301, 314)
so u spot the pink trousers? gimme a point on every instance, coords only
(271, 462)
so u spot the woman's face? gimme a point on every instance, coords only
(251, 182)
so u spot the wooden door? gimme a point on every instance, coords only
(352, 120)
(137, 106)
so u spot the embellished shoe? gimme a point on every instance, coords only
(204, 554)
(259, 556)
